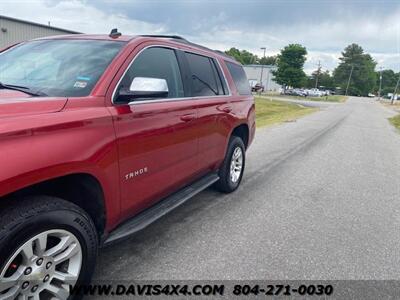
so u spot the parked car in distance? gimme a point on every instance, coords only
(300, 92)
(392, 97)
(315, 93)
(100, 135)
(331, 92)
(256, 86)
(289, 92)
(295, 92)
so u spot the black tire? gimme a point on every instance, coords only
(225, 184)
(25, 218)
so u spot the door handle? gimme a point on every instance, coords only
(227, 109)
(187, 118)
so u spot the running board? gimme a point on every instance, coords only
(160, 209)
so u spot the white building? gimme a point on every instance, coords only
(13, 31)
(262, 74)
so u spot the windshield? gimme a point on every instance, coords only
(60, 68)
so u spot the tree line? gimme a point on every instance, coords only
(247, 58)
(356, 71)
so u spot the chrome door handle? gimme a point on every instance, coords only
(187, 118)
(227, 109)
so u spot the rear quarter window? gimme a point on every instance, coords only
(205, 78)
(239, 78)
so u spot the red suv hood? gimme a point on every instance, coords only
(14, 103)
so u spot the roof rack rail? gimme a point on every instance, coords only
(176, 37)
(180, 39)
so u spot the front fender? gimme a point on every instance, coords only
(48, 146)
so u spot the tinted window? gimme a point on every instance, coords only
(222, 79)
(58, 68)
(240, 79)
(204, 77)
(156, 63)
(217, 79)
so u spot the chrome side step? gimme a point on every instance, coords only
(161, 208)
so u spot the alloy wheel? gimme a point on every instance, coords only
(44, 267)
(236, 164)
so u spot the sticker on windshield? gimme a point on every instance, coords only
(83, 78)
(80, 84)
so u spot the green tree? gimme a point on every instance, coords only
(389, 80)
(325, 80)
(363, 78)
(235, 53)
(248, 58)
(243, 56)
(290, 64)
(268, 60)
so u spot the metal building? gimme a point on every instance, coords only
(262, 74)
(14, 31)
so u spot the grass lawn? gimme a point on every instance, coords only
(395, 121)
(330, 98)
(271, 112)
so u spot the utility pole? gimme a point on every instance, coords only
(348, 82)
(318, 70)
(380, 83)
(262, 67)
(395, 90)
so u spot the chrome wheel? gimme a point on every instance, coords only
(236, 164)
(42, 268)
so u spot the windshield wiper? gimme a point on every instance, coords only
(23, 89)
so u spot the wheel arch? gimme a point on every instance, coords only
(81, 189)
(243, 132)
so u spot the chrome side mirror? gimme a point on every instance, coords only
(147, 84)
(144, 87)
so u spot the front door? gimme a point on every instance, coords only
(157, 138)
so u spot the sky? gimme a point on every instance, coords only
(324, 27)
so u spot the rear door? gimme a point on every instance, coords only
(210, 89)
(157, 138)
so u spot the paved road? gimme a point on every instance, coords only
(320, 200)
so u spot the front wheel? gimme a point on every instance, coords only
(47, 245)
(232, 168)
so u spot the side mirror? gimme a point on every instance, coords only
(144, 87)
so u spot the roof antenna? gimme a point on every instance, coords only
(114, 33)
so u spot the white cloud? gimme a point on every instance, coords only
(327, 60)
(324, 41)
(76, 15)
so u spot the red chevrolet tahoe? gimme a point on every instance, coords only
(100, 135)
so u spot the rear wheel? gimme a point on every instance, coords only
(232, 168)
(46, 246)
